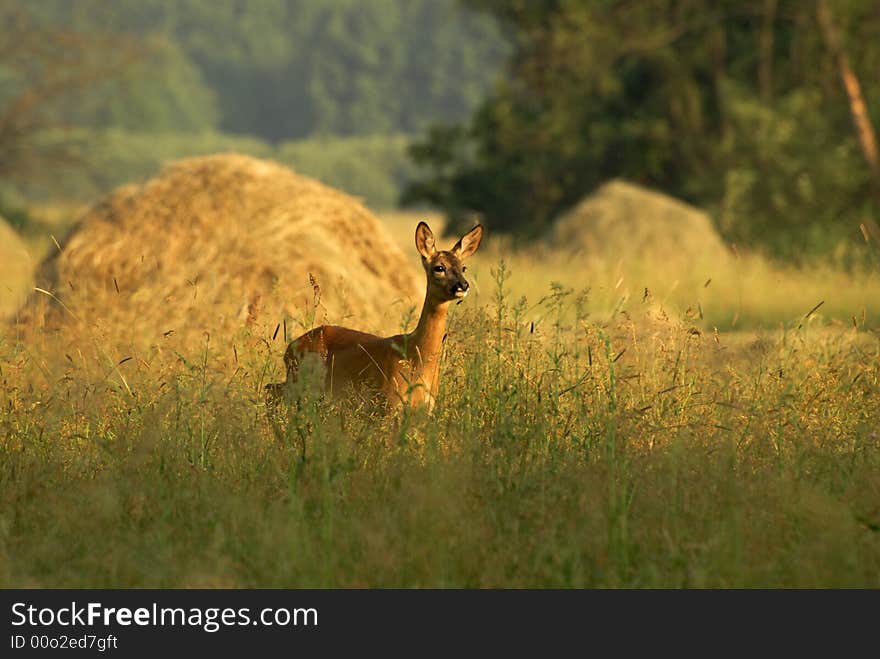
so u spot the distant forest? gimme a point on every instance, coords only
(285, 69)
(760, 111)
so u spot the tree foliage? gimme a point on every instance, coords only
(96, 92)
(733, 105)
(42, 71)
(285, 69)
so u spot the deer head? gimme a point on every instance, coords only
(445, 269)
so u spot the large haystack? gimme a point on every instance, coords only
(623, 221)
(217, 242)
(15, 271)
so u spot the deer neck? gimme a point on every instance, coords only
(427, 338)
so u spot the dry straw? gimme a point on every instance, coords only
(219, 242)
(624, 221)
(15, 270)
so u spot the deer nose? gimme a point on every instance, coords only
(460, 286)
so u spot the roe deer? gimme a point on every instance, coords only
(400, 369)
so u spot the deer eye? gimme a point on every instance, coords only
(464, 268)
(439, 268)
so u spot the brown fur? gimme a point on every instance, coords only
(400, 369)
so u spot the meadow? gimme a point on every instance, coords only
(599, 424)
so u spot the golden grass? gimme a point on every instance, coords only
(607, 440)
(581, 452)
(745, 291)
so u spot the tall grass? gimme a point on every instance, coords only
(747, 291)
(568, 448)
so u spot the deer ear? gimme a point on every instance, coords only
(469, 242)
(425, 240)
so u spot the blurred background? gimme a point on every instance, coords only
(758, 114)
(666, 372)
(101, 92)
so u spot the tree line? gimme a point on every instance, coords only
(753, 109)
(103, 91)
(760, 111)
(285, 69)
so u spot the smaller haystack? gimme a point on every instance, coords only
(218, 242)
(626, 222)
(16, 271)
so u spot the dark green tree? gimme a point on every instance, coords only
(735, 106)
